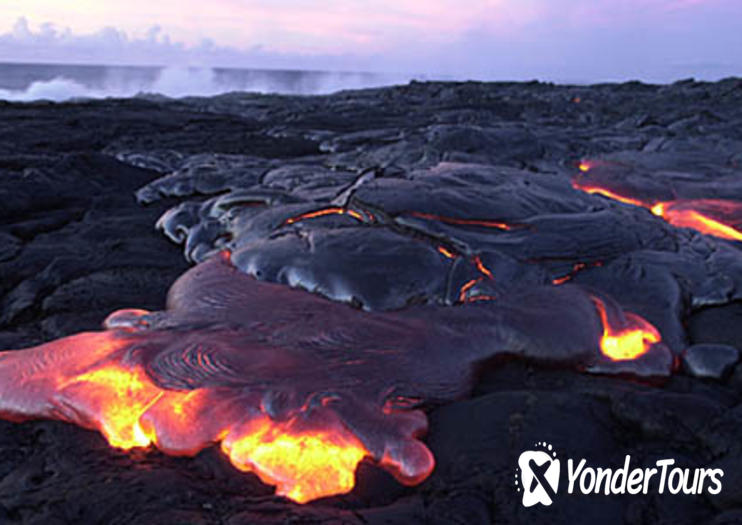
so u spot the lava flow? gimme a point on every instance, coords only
(184, 390)
(103, 392)
(304, 465)
(703, 215)
(296, 388)
(717, 217)
(627, 342)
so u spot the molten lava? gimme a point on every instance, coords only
(482, 268)
(486, 273)
(630, 341)
(323, 213)
(464, 292)
(302, 465)
(121, 397)
(485, 223)
(448, 254)
(703, 215)
(131, 411)
(296, 388)
(576, 268)
(605, 192)
(715, 217)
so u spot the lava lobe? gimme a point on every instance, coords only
(299, 389)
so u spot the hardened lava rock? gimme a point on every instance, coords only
(423, 236)
(710, 361)
(513, 235)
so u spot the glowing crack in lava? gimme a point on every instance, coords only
(296, 388)
(486, 273)
(484, 223)
(328, 211)
(715, 217)
(576, 268)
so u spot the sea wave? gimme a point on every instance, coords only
(179, 82)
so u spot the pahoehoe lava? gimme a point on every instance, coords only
(374, 269)
(232, 359)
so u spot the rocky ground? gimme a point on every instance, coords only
(83, 185)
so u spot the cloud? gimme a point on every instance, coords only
(561, 40)
(113, 46)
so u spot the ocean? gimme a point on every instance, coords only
(27, 82)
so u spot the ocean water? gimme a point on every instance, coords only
(27, 82)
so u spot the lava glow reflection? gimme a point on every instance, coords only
(715, 217)
(628, 342)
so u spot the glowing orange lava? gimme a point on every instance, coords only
(122, 396)
(710, 216)
(131, 411)
(446, 253)
(302, 465)
(482, 268)
(628, 342)
(463, 293)
(575, 269)
(594, 189)
(463, 222)
(324, 212)
(687, 214)
(468, 285)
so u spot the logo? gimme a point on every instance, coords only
(538, 471)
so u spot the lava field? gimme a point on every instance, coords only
(362, 307)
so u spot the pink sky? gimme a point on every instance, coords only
(593, 39)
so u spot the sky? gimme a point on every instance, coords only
(559, 40)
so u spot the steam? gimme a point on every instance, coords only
(189, 81)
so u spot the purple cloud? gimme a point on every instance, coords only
(561, 40)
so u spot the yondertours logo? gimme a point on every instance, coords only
(538, 474)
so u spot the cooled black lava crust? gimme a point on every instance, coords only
(83, 184)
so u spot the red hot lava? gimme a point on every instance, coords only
(131, 411)
(484, 223)
(576, 268)
(717, 217)
(294, 387)
(704, 215)
(325, 212)
(627, 342)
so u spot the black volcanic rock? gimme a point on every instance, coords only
(710, 361)
(717, 324)
(84, 184)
